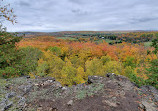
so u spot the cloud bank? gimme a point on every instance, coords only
(95, 15)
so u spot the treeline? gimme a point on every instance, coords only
(131, 37)
(136, 37)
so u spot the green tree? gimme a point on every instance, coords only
(129, 72)
(8, 54)
(155, 45)
(153, 70)
(56, 50)
(28, 62)
(130, 61)
(153, 73)
(43, 67)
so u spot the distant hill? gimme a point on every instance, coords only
(62, 33)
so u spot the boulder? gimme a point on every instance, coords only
(111, 75)
(70, 103)
(93, 79)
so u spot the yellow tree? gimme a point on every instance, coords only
(105, 59)
(80, 77)
(68, 75)
(50, 64)
(112, 67)
(94, 67)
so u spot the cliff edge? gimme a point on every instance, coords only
(110, 93)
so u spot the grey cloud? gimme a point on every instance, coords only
(60, 15)
(80, 12)
(143, 20)
(76, 1)
(22, 3)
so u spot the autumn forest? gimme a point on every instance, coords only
(76, 55)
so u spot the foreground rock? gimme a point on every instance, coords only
(110, 93)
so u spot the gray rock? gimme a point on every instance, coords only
(47, 79)
(87, 87)
(25, 88)
(4, 101)
(93, 79)
(110, 103)
(10, 95)
(70, 103)
(110, 75)
(154, 92)
(5, 105)
(149, 106)
(64, 88)
(8, 105)
(57, 85)
(47, 83)
(22, 101)
(27, 76)
(151, 91)
(144, 88)
(142, 107)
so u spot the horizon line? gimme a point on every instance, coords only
(88, 31)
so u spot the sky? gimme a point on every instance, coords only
(83, 15)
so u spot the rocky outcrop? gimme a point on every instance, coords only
(109, 93)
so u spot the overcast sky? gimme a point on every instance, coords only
(76, 15)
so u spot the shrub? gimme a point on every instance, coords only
(9, 72)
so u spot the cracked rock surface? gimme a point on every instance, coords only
(109, 93)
